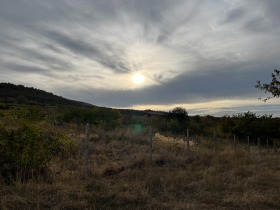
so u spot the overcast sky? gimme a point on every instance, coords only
(203, 55)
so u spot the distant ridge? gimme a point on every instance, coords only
(11, 94)
(19, 94)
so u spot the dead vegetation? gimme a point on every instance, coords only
(121, 176)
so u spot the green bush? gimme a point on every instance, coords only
(102, 117)
(3, 106)
(28, 113)
(26, 151)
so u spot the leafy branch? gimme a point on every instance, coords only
(273, 87)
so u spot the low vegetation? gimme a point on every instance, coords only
(42, 161)
(121, 175)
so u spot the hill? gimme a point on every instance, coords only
(19, 94)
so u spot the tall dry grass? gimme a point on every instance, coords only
(121, 176)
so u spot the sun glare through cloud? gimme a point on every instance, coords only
(138, 79)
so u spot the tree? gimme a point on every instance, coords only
(273, 87)
(181, 115)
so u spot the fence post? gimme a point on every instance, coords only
(259, 145)
(234, 142)
(86, 151)
(249, 145)
(274, 147)
(267, 146)
(215, 141)
(188, 144)
(199, 140)
(150, 140)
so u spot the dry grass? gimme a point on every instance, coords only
(121, 176)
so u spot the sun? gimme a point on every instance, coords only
(138, 79)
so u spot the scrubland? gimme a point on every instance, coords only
(121, 175)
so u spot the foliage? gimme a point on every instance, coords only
(204, 125)
(28, 113)
(179, 119)
(103, 117)
(179, 113)
(273, 87)
(26, 151)
(242, 125)
(250, 124)
(3, 106)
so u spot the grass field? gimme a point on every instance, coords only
(121, 176)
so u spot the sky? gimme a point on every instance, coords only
(202, 55)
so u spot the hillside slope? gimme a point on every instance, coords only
(19, 94)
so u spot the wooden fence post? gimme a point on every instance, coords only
(188, 144)
(215, 141)
(150, 140)
(249, 145)
(234, 142)
(259, 145)
(86, 151)
(267, 146)
(198, 140)
(274, 147)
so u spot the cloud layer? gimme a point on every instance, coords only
(190, 51)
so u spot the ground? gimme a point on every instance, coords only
(121, 175)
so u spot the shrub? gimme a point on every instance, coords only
(102, 117)
(28, 113)
(25, 152)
